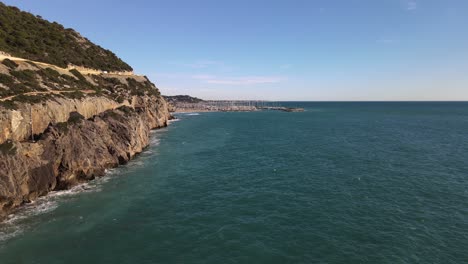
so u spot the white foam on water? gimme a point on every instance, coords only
(186, 114)
(136, 164)
(12, 226)
(155, 141)
(172, 121)
(15, 224)
(110, 171)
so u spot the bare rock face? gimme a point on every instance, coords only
(76, 151)
(16, 124)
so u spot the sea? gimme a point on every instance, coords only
(341, 182)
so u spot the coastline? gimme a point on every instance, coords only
(14, 223)
(181, 111)
(66, 156)
(48, 202)
(284, 109)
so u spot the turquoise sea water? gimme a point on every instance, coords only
(339, 183)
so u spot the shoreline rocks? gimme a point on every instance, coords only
(76, 151)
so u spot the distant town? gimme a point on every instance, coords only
(186, 103)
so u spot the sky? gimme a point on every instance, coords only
(324, 50)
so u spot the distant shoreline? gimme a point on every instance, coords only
(284, 109)
(181, 111)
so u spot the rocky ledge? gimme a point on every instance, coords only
(76, 151)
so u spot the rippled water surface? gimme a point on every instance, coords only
(339, 183)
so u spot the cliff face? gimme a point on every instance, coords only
(76, 151)
(16, 124)
(83, 106)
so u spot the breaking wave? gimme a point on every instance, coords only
(21, 219)
(17, 222)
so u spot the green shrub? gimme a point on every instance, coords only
(9, 104)
(50, 75)
(120, 99)
(19, 88)
(81, 83)
(75, 118)
(142, 88)
(62, 127)
(31, 99)
(113, 115)
(25, 35)
(113, 81)
(9, 63)
(32, 64)
(25, 75)
(6, 79)
(68, 78)
(8, 148)
(97, 91)
(78, 74)
(74, 95)
(126, 109)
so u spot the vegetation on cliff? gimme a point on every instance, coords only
(7, 148)
(74, 140)
(9, 63)
(35, 86)
(31, 37)
(182, 99)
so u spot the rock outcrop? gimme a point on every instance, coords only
(16, 124)
(77, 150)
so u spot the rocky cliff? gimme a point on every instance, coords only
(18, 124)
(62, 125)
(76, 151)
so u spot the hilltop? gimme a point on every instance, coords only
(182, 99)
(28, 36)
(41, 60)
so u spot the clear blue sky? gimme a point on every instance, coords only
(282, 50)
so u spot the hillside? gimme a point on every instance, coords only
(182, 99)
(28, 82)
(60, 125)
(36, 86)
(27, 36)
